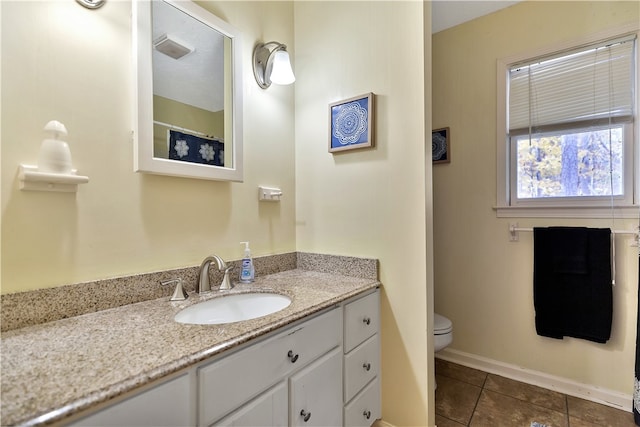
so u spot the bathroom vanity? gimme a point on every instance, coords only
(317, 362)
(293, 377)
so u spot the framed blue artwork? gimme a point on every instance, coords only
(440, 146)
(351, 123)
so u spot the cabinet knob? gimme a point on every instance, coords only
(305, 415)
(366, 321)
(367, 414)
(292, 357)
(367, 366)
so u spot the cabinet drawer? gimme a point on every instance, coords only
(315, 393)
(360, 366)
(229, 382)
(361, 320)
(365, 408)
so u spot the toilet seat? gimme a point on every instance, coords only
(441, 325)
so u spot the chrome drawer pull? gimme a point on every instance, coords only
(367, 414)
(305, 415)
(366, 321)
(367, 366)
(292, 356)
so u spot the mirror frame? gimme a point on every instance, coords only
(143, 158)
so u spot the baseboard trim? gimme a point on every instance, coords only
(607, 397)
(382, 423)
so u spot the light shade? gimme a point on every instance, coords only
(282, 74)
(272, 65)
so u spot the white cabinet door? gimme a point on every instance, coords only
(267, 410)
(168, 404)
(230, 382)
(316, 393)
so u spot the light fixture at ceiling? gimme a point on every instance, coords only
(171, 47)
(271, 64)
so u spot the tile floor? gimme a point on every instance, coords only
(469, 397)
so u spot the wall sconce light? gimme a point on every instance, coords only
(92, 4)
(271, 64)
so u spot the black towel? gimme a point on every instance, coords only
(572, 282)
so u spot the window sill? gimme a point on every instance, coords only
(631, 211)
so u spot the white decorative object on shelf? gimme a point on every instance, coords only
(54, 171)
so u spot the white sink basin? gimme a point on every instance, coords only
(233, 308)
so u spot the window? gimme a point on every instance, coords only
(569, 123)
(582, 163)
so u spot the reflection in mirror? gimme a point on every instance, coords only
(188, 88)
(189, 92)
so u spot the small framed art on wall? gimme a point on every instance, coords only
(440, 146)
(351, 123)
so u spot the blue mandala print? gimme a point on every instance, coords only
(350, 123)
(438, 146)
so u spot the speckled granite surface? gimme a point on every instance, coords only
(366, 268)
(45, 305)
(55, 369)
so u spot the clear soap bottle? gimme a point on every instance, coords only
(247, 272)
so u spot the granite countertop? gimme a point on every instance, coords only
(55, 369)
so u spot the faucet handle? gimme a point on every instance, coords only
(179, 294)
(226, 283)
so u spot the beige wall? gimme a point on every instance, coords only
(65, 62)
(483, 282)
(371, 202)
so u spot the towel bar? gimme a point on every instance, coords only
(514, 237)
(514, 229)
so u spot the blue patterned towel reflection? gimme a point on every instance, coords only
(195, 149)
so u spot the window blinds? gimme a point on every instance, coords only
(590, 86)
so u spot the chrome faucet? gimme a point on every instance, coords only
(203, 284)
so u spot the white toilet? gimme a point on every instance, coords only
(442, 331)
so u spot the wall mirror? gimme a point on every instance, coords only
(188, 119)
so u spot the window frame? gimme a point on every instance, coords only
(581, 207)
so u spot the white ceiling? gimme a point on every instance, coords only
(197, 78)
(449, 13)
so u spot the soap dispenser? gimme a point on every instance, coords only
(247, 272)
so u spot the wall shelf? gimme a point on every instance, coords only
(33, 180)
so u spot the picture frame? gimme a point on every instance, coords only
(440, 145)
(351, 123)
